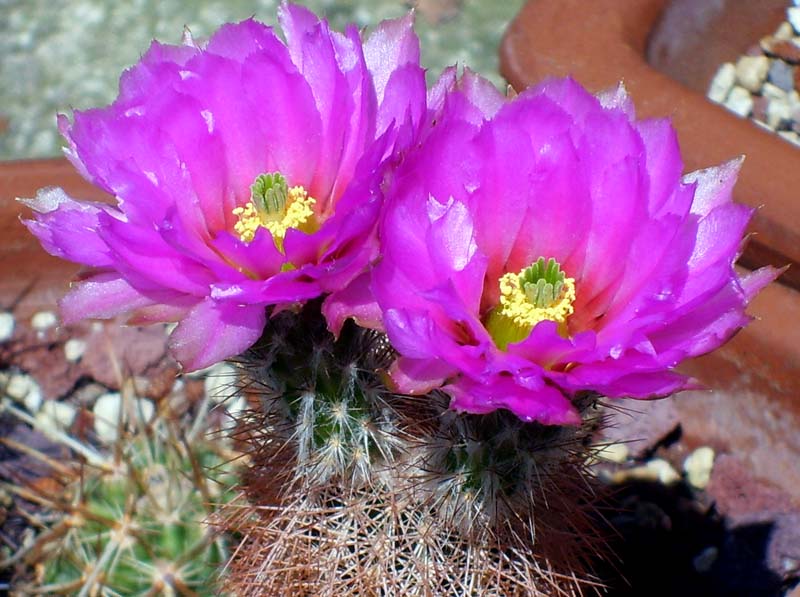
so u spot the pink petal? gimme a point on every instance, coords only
(66, 227)
(213, 331)
(354, 301)
(101, 296)
(418, 376)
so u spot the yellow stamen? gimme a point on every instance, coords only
(297, 213)
(514, 318)
(517, 307)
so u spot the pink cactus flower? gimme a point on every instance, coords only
(247, 172)
(546, 246)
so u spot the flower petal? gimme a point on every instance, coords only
(213, 331)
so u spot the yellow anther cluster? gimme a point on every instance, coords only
(514, 318)
(298, 212)
(515, 305)
(248, 223)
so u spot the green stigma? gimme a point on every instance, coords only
(542, 282)
(269, 193)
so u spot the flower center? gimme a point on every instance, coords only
(275, 206)
(539, 292)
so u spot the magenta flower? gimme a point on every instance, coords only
(546, 246)
(247, 173)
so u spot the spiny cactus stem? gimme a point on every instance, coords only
(81, 514)
(91, 579)
(200, 479)
(64, 588)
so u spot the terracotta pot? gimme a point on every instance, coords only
(754, 411)
(604, 42)
(30, 279)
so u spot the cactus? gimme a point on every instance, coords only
(359, 491)
(134, 518)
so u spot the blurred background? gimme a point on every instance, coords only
(64, 54)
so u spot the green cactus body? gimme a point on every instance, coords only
(359, 491)
(136, 521)
(142, 527)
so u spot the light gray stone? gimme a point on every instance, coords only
(784, 32)
(771, 91)
(23, 388)
(220, 382)
(43, 320)
(107, 415)
(779, 113)
(614, 453)
(781, 74)
(7, 324)
(739, 101)
(656, 470)
(58, 415)
(751, 72)
(698, 466)
(722, 82)
(74, 349)
(793, 15)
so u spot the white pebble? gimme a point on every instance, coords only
(220, 382)
(794, 99)
(751, 72)
(784, 32)
(793, 14)
(6, 326)
(739, 101)
(778, 113)
(74, 349)
(107, 410)
(58, 415)
(236, 405)
(144, 410)
(666, 474)
(698, 466)
(43, 320)
(614, 453)
(655, 470)
(23, 388)
(722, 83)
(773, 92)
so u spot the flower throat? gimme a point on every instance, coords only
(539, 292)
(275, 206)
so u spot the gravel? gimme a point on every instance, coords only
(69, 54)
(762, 85)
